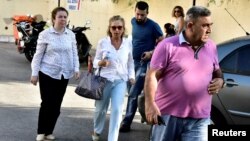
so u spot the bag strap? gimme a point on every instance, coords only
(90, 66)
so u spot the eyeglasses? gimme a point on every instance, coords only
(177, 11)
(116, 27)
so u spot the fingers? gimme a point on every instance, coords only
(104, 63)
(77, 75)
(132, 81)
(152, 113)
(146, 56)
(34, 80)
(214, 87)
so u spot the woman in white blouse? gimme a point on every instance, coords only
(55, 61)
(178, 14)
(114, 55)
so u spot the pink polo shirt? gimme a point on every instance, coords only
(183, 88)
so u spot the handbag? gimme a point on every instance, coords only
(91, 86)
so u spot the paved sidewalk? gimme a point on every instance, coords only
(19, 106)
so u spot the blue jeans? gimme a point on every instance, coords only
(135, 91)
(113, 92)
(181, 129)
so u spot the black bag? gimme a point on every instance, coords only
(91, 86)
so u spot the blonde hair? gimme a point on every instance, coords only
(116, 18)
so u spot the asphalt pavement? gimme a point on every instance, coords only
(19, 106)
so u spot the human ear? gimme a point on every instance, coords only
(190, 25)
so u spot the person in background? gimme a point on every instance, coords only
(169, 30)
(145, 35)
(114, 56)
(178, 14)
(183, 76)
(55, 61)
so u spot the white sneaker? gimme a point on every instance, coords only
(40, 137)
(95, 137)
(50, 137)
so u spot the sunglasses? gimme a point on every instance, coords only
(116, 27)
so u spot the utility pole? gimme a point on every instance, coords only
(194, 2)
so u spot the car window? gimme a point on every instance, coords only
(237, 62)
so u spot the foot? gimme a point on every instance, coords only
(50, 137)
(124, 128)
(95, 137)
(40, 137)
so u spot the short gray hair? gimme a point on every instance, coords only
(197, 11)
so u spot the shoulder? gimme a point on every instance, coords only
(170, 41)
(45, 34)
(152, 22)
(210, 43)
(104, 41)
(70, 32)
(45, 31)
(133, 20)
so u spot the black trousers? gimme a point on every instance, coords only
(52, 92)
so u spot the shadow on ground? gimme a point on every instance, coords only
(74, 124)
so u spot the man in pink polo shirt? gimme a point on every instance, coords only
(184, 74)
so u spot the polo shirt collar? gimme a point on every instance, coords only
(182, 40)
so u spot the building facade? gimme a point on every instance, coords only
(99, 11)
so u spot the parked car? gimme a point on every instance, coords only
(232, 104)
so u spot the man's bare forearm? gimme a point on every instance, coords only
(150, 85)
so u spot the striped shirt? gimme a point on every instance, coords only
(56, 54)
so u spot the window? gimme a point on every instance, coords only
(238, 61)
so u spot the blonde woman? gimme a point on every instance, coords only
(178, 14)
(114, 55)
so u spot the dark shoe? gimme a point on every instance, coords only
(124, 128)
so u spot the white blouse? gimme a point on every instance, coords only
(56, 54)
(121, 60)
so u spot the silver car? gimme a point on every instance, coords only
(232, 104)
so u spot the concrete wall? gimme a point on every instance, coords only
(98, 12)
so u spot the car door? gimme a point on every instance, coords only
(236, 95)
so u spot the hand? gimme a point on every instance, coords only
(104, 63)
(34, 80)
(146, 56)
(152, 111)
(132, 81)
(77, 75)
(215, 86)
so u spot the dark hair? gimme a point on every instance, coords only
(170, 29)
(116, 18)
(54, 12)
(142, 5)
(197, 11)
(181, 11)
